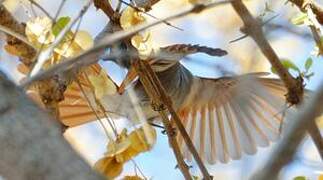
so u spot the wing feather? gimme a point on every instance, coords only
(241, 113)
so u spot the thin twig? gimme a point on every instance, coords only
(151, 91)
(294, 86)
(41, 8)
(166, 101)
(17, 35)
(43, 56)
(316, 8)
(150, 15)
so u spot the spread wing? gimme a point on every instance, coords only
(229, 116)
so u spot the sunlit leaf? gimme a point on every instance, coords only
(300, 19)
(60, 24)
(288, 65)
(138, 140)
(131, 17)
(123, 149)
(300, 178)
(102, 84)
(39, 31)
(143, 43)
(109, 167)
(308, 63)
(84, 40)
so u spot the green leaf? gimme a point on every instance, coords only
(308, 76)
(60, 24)
(289, 65)
(308, 63)
(273, 70)
(300, 178)
(300, 19)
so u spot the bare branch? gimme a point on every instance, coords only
(253, 28)
(294, 86)
(158, 95)
(106, 7)
(159, 106)
(316, 8)
(16, 35)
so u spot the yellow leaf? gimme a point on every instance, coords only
(138, 140)
(144, 45)
(131, 17)
(109, 167)
(68, 49)
(320, 177)
(12, 50)
(119, 146)
(84, 40)
(102, 85)
(39, 31)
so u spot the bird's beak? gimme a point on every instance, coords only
(131, 75)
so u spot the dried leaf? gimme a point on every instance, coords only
(102, 85)
(39, 31)
(131, 17)
(84, 40)
(12, 50)
(109, 167)
(143, 43)
(23, 69)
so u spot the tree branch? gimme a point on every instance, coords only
(159, 106)
(32, 145)
(106, 7)
(164, 101)
(316, 8)
(294, 86)
(310, 7)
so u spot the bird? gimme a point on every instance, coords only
(225, 117)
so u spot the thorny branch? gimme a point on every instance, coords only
(294, 86)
